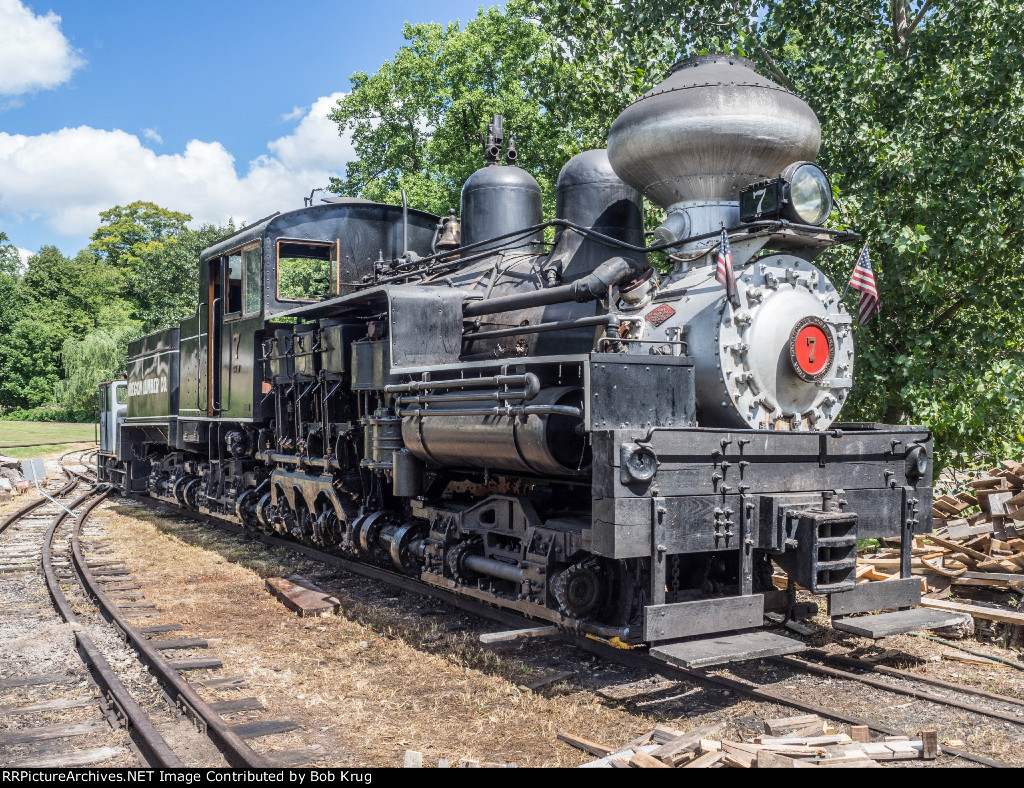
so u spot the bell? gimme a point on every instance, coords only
(451, 235)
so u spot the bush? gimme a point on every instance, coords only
(44, 413)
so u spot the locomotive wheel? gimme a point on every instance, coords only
(326, 528)
(246, 507)
(179, 488)
(350, 541)
(264, 512)
(454, 556)
(190, 493)
(581, 590)
(401, 555)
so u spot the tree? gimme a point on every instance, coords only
(126, 230)
(89, 361)
(921, 111)
(415, 122)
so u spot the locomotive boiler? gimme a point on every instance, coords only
(556, 428)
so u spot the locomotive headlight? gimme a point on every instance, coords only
(802, 194)
(807, 193)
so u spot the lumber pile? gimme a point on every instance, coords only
(805, 741)
(977, 544)
(992, 504)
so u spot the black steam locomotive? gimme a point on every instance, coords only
(565, 432)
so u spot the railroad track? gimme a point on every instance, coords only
(857, 672)
(44, 556)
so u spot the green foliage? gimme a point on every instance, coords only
(303, 278)
(45, 413)
(156, 255)
(65, 323)
(89, 361)
(415, 122)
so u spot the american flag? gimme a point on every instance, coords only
(863, 279)
(724, 273)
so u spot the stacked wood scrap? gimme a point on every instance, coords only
(993, 504)
(977, 542)
(805, 741)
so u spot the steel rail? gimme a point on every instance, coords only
(152, 746)
(627, 657)
(839, 659)
(822, 670)
(231, 745)
(31, 506)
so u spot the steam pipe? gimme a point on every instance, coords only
(589, 288)
(540, 328)
(529, 380)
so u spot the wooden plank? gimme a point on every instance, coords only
(1005, 617)
(584, 744)
(642, 760)
(860, 733)
(293, 759)
(42, 678)
(160, 629)
(896, 623)
(702, 617)
(809, 741)
(253, 730)
(202, 663)
(953, 547)
(904, 592)
(220, 682)
(166, 644)
(69, 760)
(929, 744)
(303, 596)
(706, 760)
(238, 704)
(64, 731)
(782, 725)
(490, 638)
(58, 704)
(687, 741)
(731, 648)
(766, 759)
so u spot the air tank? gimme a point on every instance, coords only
(498, 200)
(712, 127)
(590, 194)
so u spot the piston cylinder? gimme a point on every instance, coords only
(545, 444)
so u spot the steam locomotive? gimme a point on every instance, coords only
(564, 431)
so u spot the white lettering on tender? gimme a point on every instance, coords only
(147, 386)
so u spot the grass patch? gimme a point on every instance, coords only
(44, 437)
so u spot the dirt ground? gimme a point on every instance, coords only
(397, 671)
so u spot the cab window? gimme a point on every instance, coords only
(305, 270)
(253, 262)
(233, 303)
(121, 393)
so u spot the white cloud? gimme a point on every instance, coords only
(66, 177)
(295, 114)
(24, 254)
(151, 134)
(34, 54)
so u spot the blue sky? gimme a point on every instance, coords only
(214, 108)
